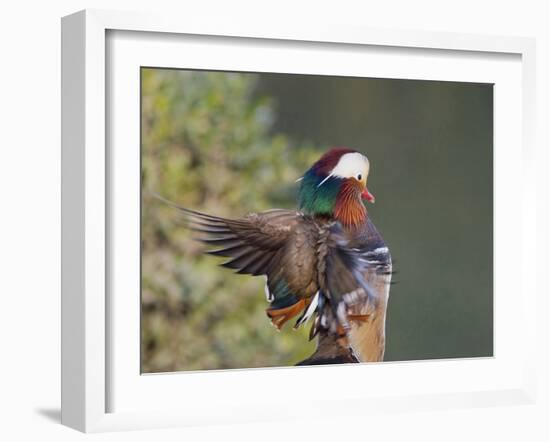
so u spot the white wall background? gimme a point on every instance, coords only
(30, 216)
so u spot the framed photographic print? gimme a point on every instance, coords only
(354, 185)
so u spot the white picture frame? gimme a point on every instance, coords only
(87, 209)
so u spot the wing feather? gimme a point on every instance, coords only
(251, 242)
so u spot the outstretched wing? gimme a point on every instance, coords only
(252, 243)
(279, 244)
(346, 269)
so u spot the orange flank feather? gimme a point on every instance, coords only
(358, 318)
(281, 315)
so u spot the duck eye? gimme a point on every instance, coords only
(359, 177)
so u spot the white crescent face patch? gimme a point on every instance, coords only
(351, 165)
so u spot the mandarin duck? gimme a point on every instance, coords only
(324, 262)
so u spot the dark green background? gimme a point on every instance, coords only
(430, 148)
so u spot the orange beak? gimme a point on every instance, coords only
(366, 195)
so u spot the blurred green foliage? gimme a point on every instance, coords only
(206, 145)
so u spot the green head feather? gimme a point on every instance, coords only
(315, 198)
